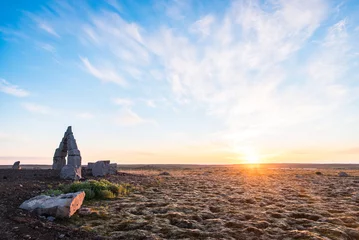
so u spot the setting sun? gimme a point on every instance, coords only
(252, 158)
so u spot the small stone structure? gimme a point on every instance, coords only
(16, 165)
(68, 146)
(102, 168)
(62, 206)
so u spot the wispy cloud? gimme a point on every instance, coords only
(106, 75)
(85, 115)
(37, 108)
(14, 90)
(125, 102)
(48, 47)
(127, 117)
(203, 26)
(47, 28)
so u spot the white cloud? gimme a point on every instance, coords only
(203, 26)
(128, 117)
(48, 47)
(37, 108)
(106, 75)
(85, 115)
(151, 103)
(47, 28)
(14, 90)
(125, 102)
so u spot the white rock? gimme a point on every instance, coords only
(16, 165)
(62, 206)
(70, 172)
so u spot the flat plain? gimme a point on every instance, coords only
(226, 202)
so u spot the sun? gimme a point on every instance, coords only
(252, 158)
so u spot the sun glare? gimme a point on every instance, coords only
(252, 158)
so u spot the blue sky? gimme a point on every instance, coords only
(180, 81)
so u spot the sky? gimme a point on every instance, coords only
(182, 81)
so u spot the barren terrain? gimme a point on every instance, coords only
(204, 203)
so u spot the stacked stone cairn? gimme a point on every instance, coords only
(68, 146)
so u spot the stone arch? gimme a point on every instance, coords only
(67, 147)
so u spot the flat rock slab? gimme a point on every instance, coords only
(62, 206)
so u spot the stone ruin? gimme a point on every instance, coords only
(72, 170)
(102, 168)
(16, 165)
(68, 147)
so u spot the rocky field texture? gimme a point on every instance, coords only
(204, 203)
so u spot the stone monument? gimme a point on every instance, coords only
(68, 147)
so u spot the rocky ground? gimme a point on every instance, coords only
(200, 203)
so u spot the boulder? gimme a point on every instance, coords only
(100, 169)
(62, 206)
(90, 165)
(112, 168)
(343, 174)
(16, 165)
(70, 172)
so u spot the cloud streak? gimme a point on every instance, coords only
(47, 28)
(127, 117)
(105, 75)
(37, 108)
(13, 90)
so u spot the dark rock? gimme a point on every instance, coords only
(343, 174)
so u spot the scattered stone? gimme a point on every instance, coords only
(84, 211)
(318, 173)
(16, 165)
(343, 174)
(50, 218)
(61, 235)
(356, 197)
(164, 174)
(62, 206)
(262, 224)
(354, 234)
